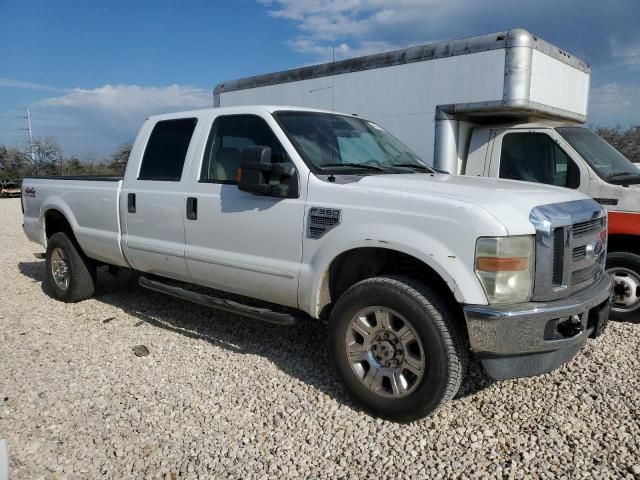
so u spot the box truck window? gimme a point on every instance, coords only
(535, 157)
(608, 163)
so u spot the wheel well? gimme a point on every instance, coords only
(355, 265)
(54, 222)
(623, 243)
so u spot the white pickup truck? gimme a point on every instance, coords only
(305, 214)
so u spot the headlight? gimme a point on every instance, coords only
(504, 266)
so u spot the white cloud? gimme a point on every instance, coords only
(12, 83)
(615, 104)
(97, 120)
(124, 105)
(627, 54)
(363, 22)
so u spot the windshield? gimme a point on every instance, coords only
(607, 162)
(340, 144)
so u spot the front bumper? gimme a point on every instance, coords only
(536, 337)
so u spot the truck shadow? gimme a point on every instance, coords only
(300, 351)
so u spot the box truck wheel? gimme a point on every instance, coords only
(70, 274)
(624, 267)
(396, 347)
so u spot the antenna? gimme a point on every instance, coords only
(333, 76)
(333, 61)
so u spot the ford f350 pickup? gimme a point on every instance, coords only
(309, 214)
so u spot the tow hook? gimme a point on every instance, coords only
(570, 327)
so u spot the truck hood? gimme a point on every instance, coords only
(509, 201)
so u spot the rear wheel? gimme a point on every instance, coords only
(396, 347)
(624, 268)
(70, 274)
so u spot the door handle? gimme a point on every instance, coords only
(131, 203)
(192, 208)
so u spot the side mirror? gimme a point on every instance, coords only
(259, 176)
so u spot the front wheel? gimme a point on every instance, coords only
(396, 347)
(624, 268)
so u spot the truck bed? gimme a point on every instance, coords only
(89, 203)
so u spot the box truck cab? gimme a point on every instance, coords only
(506, 104)
(571, 156)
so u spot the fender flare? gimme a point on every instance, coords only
(461, 281)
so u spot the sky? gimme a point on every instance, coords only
(91, 72)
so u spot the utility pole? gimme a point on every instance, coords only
(31, 148)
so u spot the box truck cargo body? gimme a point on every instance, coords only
(506, 104)
(430, 96)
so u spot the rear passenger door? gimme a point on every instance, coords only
(154, 213)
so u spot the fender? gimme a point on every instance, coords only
(53, 202)
(456, 272)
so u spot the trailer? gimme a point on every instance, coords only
(506, 104)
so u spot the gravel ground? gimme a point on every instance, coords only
(223, 396)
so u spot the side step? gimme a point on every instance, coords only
(264, 314)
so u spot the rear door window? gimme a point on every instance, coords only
(167, 149)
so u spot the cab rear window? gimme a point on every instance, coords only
(167, 149)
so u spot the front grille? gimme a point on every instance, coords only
(584, 274)
(579, 253)
(570, 251)
(587, 228)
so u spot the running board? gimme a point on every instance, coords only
(264, 314)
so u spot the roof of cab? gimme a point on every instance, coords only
(235, 110)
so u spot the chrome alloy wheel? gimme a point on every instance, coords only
(626, 289)
(385, 352)
(60, 268)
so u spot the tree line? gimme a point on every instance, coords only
(625, 140)
(45, 157)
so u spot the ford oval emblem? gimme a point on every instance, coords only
(593, 250)
(597, 248)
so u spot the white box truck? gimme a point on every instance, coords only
(506, 104)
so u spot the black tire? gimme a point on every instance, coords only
(621, 262)
(435, 325)
(82, 271)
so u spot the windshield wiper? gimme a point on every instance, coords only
(415, 166)
(364, 166)
(622, 174)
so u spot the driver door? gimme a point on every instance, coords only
(238, 241)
